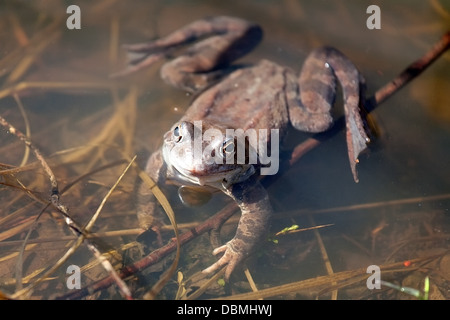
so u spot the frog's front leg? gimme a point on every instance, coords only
(309, 107)
(256, 211)
(148, 213)
(223, 40)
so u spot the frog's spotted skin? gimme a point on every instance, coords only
(262, 96)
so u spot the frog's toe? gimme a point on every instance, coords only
(221, 262)
(220, 249)
(230, 257)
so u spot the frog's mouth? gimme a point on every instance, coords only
(221, 177)
(215, 175)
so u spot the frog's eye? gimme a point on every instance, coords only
(228, 146)
(177, 136)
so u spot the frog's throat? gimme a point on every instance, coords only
(220, 178)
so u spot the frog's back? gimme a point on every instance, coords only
(250, 97)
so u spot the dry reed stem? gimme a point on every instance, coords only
(325, 258)
(332, 282)
(17, 62)
(55, 201)
(27, 128)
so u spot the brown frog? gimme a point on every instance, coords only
(263, 96)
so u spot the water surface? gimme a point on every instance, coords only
(397, 212)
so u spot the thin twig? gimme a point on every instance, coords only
(411, 72)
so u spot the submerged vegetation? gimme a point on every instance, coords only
(70, 155)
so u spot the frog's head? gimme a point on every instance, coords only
(202, 153)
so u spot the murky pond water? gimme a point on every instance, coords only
(55, 87)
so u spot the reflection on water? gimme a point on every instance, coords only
(86, 124)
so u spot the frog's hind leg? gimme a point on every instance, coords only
(225, 39)
(311, 96)
(317, 83)
(221, 40)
